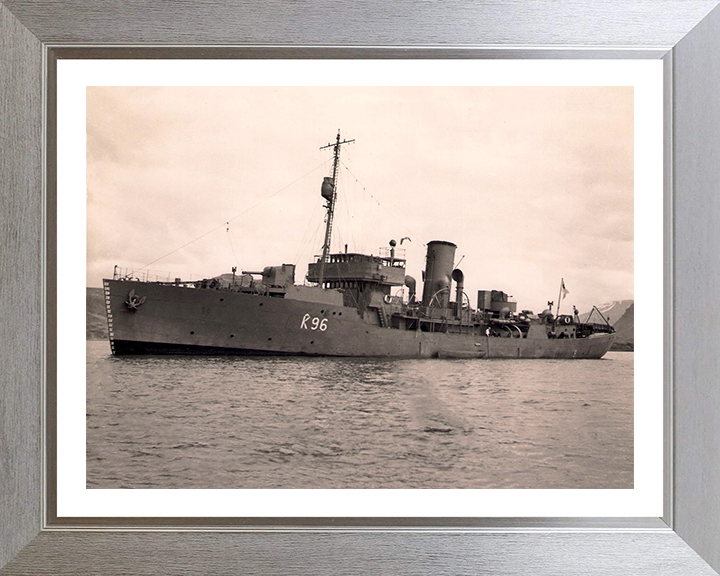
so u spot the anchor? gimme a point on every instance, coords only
(133, 302)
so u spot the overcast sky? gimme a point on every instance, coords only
(532, 184)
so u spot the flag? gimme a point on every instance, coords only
(564, 291)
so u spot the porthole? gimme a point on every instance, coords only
(269, 339)
(232, 335)
(221, 299)
(261, 303)
(192, 332)
(312, 341)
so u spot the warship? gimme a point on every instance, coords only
(344, 307)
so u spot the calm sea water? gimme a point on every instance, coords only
(239, 422)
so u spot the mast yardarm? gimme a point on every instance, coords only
(329, 192)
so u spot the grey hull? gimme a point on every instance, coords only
(179, 320)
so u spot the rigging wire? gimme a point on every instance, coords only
(227, 222)
(306, 234)
(349, 217)
(230, 239)
(311, 241)
(239, 246)
(342, 199)
(315, 240)
(236, 242)
(381, 205)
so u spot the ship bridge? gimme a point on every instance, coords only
(347, 270)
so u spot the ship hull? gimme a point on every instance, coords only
(182, 320)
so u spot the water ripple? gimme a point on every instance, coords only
(194, 422)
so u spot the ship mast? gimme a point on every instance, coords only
(331, 198)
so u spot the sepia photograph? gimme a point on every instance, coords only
(338, 287)
(362, 280)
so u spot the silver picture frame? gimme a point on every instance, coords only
(685, 34)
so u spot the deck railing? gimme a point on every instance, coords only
(143, 275)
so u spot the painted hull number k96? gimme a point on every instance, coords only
(315, 323)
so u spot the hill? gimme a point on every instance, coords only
(621, 315)
(625, 328)
(613, 311)
(95, 320)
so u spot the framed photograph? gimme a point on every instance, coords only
(198, 171)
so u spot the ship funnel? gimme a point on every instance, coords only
(459, 278)
(410, 283)
(438, 267)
